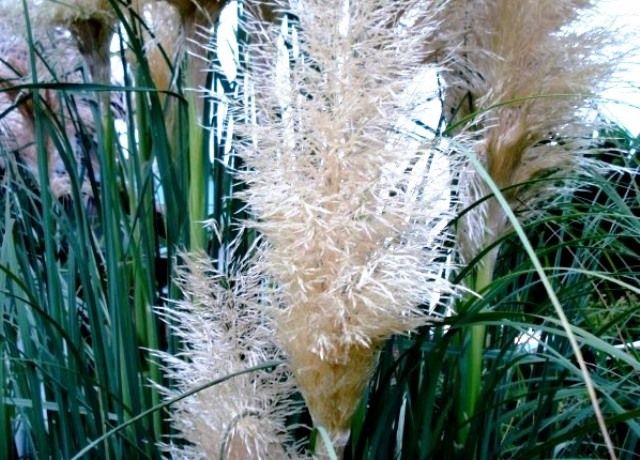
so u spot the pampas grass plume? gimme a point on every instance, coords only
(224, 329)
(517, 75)
(163, 39)
(180, 28)
(90, 22)
(60, 59)
(349, 245)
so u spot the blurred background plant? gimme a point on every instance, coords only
(106, 179)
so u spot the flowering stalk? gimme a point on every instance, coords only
(517, 76)
(353, 247)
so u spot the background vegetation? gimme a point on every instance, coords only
(81, 273)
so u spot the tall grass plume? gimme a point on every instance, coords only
(354, 249)
(519, 78)
(72, 118)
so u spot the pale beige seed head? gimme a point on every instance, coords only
(180, 28)
(90, 22)
(193, 11)
(224, 329)
(163, 38)
(517, 76)
(66, 12)
(62, 63)
(350, 246)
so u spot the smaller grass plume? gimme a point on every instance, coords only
(223, 327)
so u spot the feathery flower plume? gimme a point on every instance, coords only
(519, 76)
(197, 12)
(353, 248)
(90, 24)
(198, 18)
(178, 27)
(224, 330)
(523, 73)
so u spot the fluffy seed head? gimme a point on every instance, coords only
(68, 11)
(165, 42)
(350, 241)
(60, 62)
(224, 329)
(90, 22)
(517, 75)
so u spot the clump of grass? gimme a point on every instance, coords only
(81, 279)
(354, 250)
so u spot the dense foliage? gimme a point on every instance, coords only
(152, 173)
